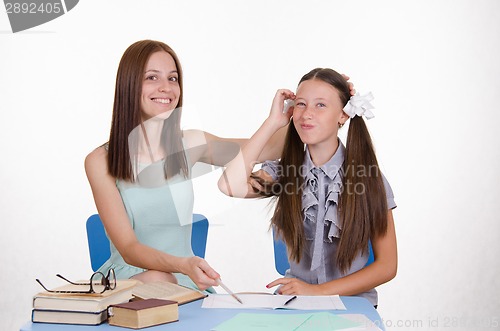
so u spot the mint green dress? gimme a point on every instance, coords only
(160, 212)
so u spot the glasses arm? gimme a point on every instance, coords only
(52, 291)
(58, 275)
(39, 282)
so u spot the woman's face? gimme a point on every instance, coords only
(160, 86)
(317, 112)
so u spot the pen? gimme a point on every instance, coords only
(290, 300)
(221, 284)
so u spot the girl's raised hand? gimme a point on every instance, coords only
(352, 90)
(276, 115)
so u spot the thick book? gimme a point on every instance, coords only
(167, 291)
(143, 313)
(84, 302)
(68, 317)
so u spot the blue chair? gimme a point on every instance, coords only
(281, 258)
(199, 235)
(99, 243)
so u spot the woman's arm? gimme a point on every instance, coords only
(115, 220)
(211, 149)
(382, 270)
(234, 180)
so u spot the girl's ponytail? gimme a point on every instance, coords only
(363, 202)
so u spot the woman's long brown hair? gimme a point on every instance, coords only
(127, 113)
(363, 205)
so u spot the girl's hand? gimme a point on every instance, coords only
(352, 90)
(295, 286)
(276, 116)
(200, 272)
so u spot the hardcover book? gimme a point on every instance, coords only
(143, 313)
(68, 317)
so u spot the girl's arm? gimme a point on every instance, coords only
(115, 220)
(234, 180)
(382, 270)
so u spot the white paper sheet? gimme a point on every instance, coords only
(268, 301)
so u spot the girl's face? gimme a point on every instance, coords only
(160, 86)
(318, 112)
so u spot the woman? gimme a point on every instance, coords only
(140, 178)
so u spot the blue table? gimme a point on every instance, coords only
(194, 318)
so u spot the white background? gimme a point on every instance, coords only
(433, 67)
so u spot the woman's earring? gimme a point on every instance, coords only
(341, 125)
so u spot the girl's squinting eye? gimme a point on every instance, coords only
(299, 104)
(321, 105)
(152, 77)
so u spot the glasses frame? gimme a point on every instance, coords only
(109, 282)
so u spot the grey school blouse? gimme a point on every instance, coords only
(320, 196)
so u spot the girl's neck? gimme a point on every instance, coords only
(321, 153)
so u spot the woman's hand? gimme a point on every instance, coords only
(295, 286)
(200, 272)
(277, 117)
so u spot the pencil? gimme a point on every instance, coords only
(221, 284)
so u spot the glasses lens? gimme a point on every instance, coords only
(97, 282)
(112, 279)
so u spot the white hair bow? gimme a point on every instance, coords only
(360, 105)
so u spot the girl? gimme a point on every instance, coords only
(331, 200)
(140, 178)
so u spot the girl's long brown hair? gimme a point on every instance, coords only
(363, 205)
(127, 112)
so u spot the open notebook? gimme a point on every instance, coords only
(269, 301)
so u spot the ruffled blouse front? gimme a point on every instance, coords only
(320, 196)
(322, 227)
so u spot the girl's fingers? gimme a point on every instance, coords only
(352, 90)
(256, 185)
(283, 94)
(279, 281)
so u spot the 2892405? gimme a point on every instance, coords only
(33, 8)
(471, 322)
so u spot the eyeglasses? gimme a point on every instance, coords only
(98, 283)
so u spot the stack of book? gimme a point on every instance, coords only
(87, 309)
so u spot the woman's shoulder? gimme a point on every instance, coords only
(97, 158)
